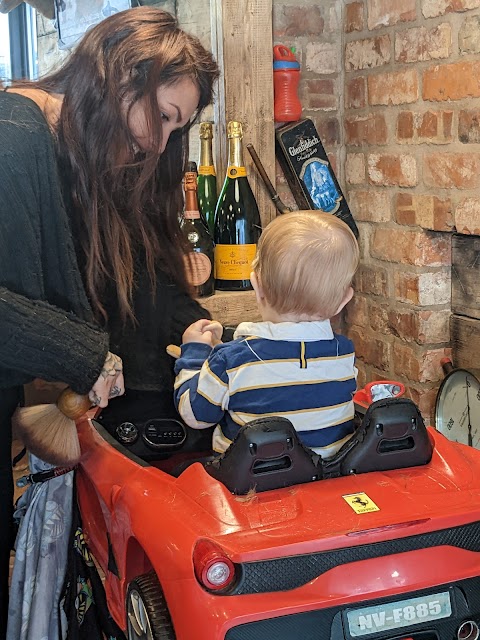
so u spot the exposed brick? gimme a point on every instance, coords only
(452, 81)
(320, 103)
(434, 326)
(354, 17)
(384, 13)
(420, 248)
(333, 17)
(334, 161)
(365, 232)
(371, 349)
(469, 36)
(356, 93)
(378, 317)
(467, 216)
(357, 311)
(423, 327)
(405, 126)
(355, 168)
(323, 57)
(421, 44)
(434, 127)
(295, 21)
(426, 211)
(423, 289)
(324, 86)
(371, 280)
(403, 324)
(469, 126)
(370, 206)
(369, 129)
(418, 364)
(329, 131)
(424, 398)
(452, 170)
(434, 8)
(400, 87)
(368, 53)
(392, 170)
(428, 126)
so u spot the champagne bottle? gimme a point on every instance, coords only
(207, 181)
(237, 221)
(199, 261)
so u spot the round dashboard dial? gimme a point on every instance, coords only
(457, 409)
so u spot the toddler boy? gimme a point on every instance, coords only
(291, 364)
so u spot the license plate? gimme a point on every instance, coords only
(395, 615)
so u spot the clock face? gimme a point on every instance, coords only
(457, 412)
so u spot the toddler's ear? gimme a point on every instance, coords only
(257, 286)
(346, 300)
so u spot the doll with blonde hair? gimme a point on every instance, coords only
(291, 364)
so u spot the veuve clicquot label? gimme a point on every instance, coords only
(234, 261)
(206, 170)
(236, 172)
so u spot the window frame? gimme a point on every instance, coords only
(23, 42)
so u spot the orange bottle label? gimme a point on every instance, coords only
(234, 261)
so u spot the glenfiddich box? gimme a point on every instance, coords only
(308, 172)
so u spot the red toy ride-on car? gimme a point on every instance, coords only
(381, 542)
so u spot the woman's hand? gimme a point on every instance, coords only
(110, 383)
(204, 331)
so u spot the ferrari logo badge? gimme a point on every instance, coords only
(360, 503)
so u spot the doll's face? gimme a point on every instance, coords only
(176, 105)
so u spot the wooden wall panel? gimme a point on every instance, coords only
(244, 33)
(232, 307)
(465, 334)
(466, 275)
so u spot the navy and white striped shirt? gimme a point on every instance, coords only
(299, 370)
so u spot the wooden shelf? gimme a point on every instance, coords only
(232, 307)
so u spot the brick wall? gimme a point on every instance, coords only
(394, 88)
(412, 174)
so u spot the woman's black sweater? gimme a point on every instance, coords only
(45, 317)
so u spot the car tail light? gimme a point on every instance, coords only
(213, 568)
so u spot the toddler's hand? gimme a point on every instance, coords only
(204, 331)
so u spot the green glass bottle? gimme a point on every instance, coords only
(207, 180)
(199, 262)
(237, 221)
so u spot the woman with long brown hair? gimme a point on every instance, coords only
(91, 253)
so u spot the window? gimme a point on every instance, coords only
(18, 43)
(5, 67)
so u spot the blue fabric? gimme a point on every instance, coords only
(45, 515)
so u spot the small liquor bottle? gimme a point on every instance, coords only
(207, 181)
(200, 258)
(237, 221)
